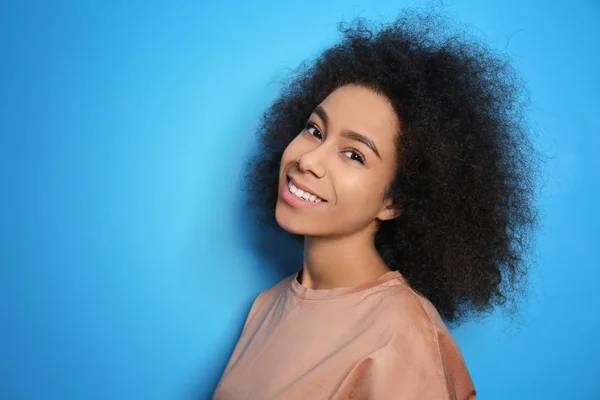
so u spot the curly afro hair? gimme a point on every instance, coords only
(465, 177)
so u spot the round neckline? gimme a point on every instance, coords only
(323, 294)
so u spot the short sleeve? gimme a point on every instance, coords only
(460, 385)
(421, 365)
(427, 366)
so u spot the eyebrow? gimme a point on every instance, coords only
(320, 111)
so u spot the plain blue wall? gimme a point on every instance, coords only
(127, 259)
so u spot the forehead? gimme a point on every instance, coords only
(361, 109)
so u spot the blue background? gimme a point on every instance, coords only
(128, 262)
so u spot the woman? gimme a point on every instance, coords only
(401, 159)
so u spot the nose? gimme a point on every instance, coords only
(314, 162)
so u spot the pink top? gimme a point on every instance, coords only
(376, 341)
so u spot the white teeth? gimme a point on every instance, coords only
(306, 196)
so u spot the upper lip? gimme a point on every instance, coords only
(304, 187)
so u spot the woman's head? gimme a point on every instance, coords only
(450, 196)
(334, 175)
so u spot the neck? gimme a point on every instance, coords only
(341, 261)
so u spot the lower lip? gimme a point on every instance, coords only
(294, 201)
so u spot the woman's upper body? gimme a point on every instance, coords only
(378, 340)
(401, 158)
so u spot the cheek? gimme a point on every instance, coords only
(362, 196)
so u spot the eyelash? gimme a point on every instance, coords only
(361, 158)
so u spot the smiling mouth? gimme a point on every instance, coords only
(302, 194)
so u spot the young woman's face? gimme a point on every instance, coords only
(334, 174)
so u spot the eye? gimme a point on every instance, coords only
(313, 130)
(354, 156)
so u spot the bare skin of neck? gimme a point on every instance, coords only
(341, 261)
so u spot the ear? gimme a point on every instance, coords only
(388, 211)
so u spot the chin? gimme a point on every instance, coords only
(287, 221)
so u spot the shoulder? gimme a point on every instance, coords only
(417, 319)
(418, 333)
(267, 297)
(403, 305)
(272, 293)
